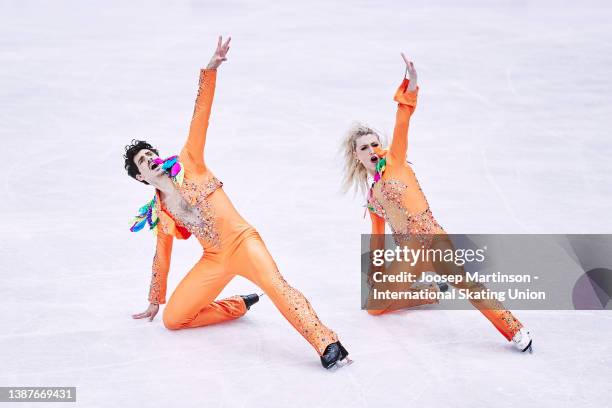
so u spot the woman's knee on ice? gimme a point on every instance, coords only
(375, 312)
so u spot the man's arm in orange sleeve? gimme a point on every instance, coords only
(406, 104)
(161, 267)
(194, 147)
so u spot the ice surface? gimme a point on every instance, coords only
(512, 134)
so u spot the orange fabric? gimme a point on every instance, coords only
(231, 247)
(397, 199)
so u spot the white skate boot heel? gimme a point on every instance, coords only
(522, 340)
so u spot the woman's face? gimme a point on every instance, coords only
(365, 151)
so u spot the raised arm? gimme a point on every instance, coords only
(406, 98)
(194, 147)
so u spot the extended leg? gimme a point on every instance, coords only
(492, 309)
(254, 262)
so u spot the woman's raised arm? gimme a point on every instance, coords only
(406, 97)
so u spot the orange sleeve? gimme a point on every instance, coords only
(377, 238)
(406, 104)
(377, 241)
(161, 267)
(194, 147)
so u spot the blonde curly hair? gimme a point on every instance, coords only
(355, 174)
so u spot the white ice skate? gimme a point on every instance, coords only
(522, 340)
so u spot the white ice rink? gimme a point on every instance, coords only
(511, 135)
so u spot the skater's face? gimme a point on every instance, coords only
(149, 171)
(365, 151)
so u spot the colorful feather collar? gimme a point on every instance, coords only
(380, 170)
(148, 213)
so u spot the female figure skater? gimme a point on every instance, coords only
(396, 198)
(189, 200)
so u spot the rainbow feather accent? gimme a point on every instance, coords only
(380, 169)
(173, 167)
(147, 214)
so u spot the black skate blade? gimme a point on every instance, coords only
(529, 347)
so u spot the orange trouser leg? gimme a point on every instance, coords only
(253, 261)
(492, 309)
(193, 302)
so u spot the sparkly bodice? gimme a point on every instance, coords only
(403, 206)
(202, 224)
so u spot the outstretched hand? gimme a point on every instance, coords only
(150, 312)
(220, 54)
(412, 74)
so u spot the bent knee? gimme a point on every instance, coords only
(171, 322)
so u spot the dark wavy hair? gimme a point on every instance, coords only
(132, 150)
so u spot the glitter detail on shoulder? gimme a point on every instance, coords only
(393, 191)
(197, 194)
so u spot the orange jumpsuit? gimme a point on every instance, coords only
(397, 199)
(231, 247)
